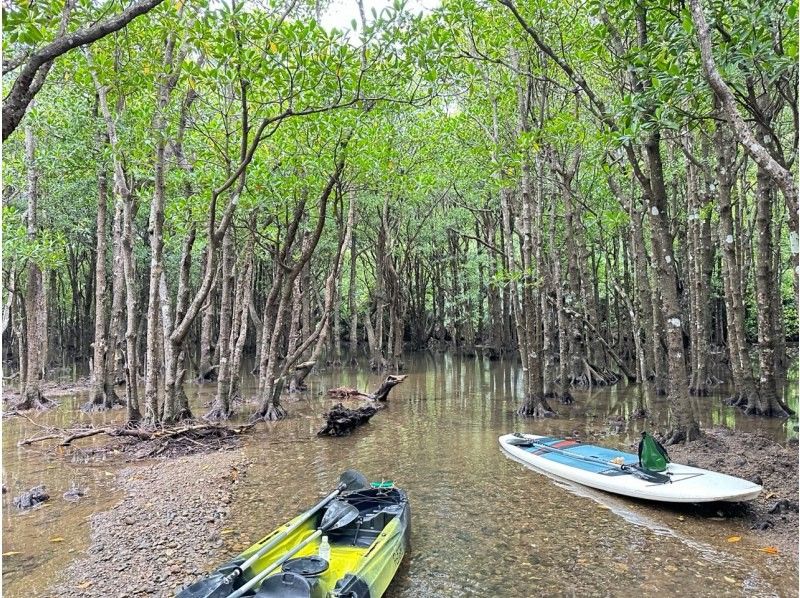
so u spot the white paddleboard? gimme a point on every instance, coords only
(590, 465)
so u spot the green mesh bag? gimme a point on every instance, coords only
(652, 455)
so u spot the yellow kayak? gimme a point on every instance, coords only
(349, 547)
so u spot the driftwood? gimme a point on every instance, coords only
(344, 392)
(340, 420)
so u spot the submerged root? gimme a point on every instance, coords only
(593, 376)
(536, 407)
(103, 401)
(275, 412)
(34, 399)
(218, 413)
(378, 364)
(760, 407)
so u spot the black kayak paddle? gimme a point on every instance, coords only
(338, 514)
(220, 585)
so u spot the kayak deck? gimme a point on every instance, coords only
(344, 558)
(364, 554)
(591, 466)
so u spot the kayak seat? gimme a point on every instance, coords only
(364, 531)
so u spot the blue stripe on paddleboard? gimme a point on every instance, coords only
(585, 450)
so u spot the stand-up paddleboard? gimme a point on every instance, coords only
(618, 472)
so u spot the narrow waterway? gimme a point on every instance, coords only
(482, 525)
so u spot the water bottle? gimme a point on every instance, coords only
(325, 549)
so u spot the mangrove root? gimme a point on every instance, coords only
(218, 414)
(681, 435)
(592, 376)
(536, 407)
(755, 405)
(275, 413)
(34, 399)
(182, 439)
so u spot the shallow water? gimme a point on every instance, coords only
(482, 524)
(37, 544)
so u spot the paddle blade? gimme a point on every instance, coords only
(338, 514)
(647, 475)
(213, 586)
(353, 480)
(520, 441)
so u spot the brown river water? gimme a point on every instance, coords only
(482, 524)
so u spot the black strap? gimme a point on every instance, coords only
(641, 448)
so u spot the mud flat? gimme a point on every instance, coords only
(773, 516)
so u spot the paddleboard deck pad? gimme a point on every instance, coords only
(616, 471)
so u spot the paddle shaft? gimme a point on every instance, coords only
(276, 564)
(629, 469)
(282, 536)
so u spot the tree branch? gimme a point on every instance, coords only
(35, 68)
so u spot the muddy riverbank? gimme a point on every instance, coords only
(772, 519)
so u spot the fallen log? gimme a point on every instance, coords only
(340, 420)
(344, 392)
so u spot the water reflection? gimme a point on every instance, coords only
(482, 525)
